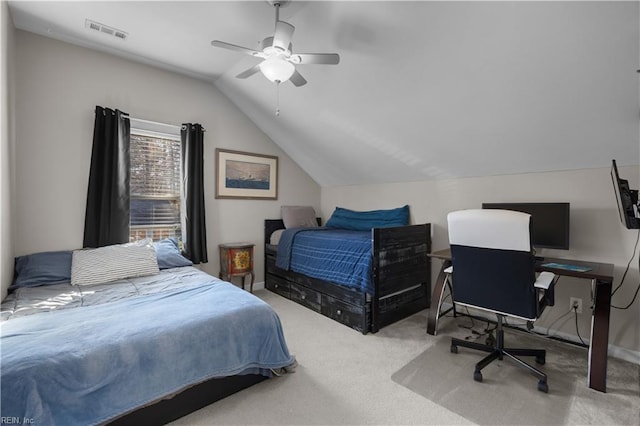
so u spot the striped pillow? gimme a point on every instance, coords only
(111, 263)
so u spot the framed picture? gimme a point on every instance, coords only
(246, 175)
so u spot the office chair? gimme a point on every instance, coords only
(493, 270)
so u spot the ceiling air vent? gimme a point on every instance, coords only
(105, 29)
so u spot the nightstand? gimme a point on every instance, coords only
(236, 260)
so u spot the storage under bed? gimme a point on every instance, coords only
(400, 273)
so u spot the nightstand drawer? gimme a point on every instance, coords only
(236, 259)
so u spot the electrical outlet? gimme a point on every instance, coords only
(576, 302)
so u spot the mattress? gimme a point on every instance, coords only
(336, 255)
(89, 354)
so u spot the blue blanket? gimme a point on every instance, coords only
(90, 364)
(336, 255)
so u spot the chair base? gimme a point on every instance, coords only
(500, 352)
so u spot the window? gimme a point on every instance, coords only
(155, 185)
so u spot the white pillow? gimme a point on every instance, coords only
(275, 237)
(111, 263)
(298, 217)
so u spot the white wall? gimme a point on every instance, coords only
(6, 141)
(58, 86)
(596, 231)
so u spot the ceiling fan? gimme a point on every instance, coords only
(279, 61)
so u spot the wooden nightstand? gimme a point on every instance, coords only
(236, 260)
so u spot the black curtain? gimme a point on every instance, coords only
(107, 216)
(195, 244)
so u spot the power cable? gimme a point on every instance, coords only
(624, 275)
(575, 311)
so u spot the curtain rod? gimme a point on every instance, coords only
(158, 123)
(104, 110)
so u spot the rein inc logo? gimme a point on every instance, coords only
(4, 420)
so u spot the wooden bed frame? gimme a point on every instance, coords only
(401, 274)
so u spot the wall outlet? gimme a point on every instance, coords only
(577, 302)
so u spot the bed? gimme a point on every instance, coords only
(145, 349)
(365, 279)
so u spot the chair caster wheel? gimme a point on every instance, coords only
(543, 387)
(454, 349)
(540, 360)
(477, 376)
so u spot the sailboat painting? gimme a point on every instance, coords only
(246, 175)
(241, 174)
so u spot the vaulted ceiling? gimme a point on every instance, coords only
(423, 90)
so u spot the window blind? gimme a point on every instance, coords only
(155, 187)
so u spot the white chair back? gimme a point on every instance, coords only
(490, 228)
(493, 266)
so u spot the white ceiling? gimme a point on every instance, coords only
(424, 89)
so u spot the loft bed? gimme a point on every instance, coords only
(400, 273)
(138, 350)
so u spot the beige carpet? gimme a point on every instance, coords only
(508, 394)
(345, 377)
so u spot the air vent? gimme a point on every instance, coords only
(105, 29)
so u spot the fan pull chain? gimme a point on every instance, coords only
(277, 99)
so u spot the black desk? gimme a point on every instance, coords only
(601, 277)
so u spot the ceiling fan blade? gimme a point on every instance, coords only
(317, 58)
(297, 79)
(224, 45)
(248, 73)
(283, 34)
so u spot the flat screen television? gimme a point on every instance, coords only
(626, 199)
(549, 222)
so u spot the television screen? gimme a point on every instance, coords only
(549, 222)
(626, 199)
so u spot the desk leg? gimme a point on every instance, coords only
(436, 300)
(599, 343)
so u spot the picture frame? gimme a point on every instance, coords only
(245, 175)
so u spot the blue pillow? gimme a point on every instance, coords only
(364, 221)
(47, 268)
(168, 254)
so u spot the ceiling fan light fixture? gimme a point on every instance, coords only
(279, 64)
(277, 69)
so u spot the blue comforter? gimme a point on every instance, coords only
(336, 255)
(93, 363)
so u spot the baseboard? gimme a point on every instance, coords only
(619, 352)
(613, 350)
(258, 286)
(624, 354)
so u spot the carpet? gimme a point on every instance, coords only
(508, 393)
